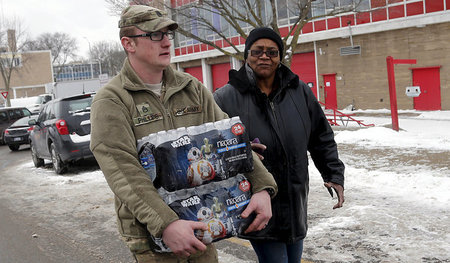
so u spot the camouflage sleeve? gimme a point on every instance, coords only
(114, 146)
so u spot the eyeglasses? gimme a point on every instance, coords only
(157, 35)
(259, 53)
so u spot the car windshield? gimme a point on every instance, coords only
(80, 105)
(43, 99)
(23, 121)
(39, 100)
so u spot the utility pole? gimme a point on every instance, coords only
(90, 57)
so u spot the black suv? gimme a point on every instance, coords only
(62, 132)
(8, 116)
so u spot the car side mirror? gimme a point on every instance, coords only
(32, 122)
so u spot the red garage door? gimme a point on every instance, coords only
(304, 66)
(196, 72)
(220, 75)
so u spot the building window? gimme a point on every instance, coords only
(323, 7)
(10, 60)
(72, 72)
(282, 12)
(194, 18)
(363, 6)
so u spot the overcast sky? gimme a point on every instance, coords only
(89, 21)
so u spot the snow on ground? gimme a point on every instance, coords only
(397, 192)
(427, 131)
(397, 206)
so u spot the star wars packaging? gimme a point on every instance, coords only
(192, 156)
(218, 204)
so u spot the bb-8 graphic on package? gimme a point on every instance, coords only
(200, 169)
(216, 229)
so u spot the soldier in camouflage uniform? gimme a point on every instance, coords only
(148, 96)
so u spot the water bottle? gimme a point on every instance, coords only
(147, 160)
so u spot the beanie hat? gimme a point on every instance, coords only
(263, 32)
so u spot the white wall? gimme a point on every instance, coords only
(68, 88)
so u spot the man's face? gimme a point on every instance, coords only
(263, 66)
(152, 53)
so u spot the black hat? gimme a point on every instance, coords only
(263, 32)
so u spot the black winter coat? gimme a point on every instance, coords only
(289, 122)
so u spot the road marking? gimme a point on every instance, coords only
(247, 244)
(240, 241)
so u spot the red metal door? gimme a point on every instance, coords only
(304, 65)
(220, 75)
(329, 82)
(196, 72)
(429, 81)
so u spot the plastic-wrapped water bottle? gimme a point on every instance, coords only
(160, 138)
(235, 120)
(147, 160)
(221, 125)
(181, 131)
(209, 126)
(152, 138)
(171, 135)
(191, 130)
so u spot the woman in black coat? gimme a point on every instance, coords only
(282, 113)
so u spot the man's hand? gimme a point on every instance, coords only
(339, 191)
(179, 237)
(260, 204)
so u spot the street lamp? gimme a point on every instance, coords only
(90, 50)
(90, 56)
(100, 65)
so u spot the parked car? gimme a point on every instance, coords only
(35, 104)
(62, 132)
(19, 133)
(8, 116)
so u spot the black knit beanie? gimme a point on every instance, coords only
(263, 32)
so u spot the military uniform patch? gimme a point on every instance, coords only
(147, 118)
(144, 109)
(187, 110)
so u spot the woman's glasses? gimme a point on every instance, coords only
(258, 53)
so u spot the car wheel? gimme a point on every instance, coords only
(14, 147)
(38, 162)
(58, 165)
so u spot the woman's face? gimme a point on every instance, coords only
(263, 65)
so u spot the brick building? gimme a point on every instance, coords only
(32, 70)
(343, 58)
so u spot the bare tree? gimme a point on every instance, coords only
(12, 40)
(116, 6)
(110, 54)
(225, 18)
(207, 21)
(62, 46)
